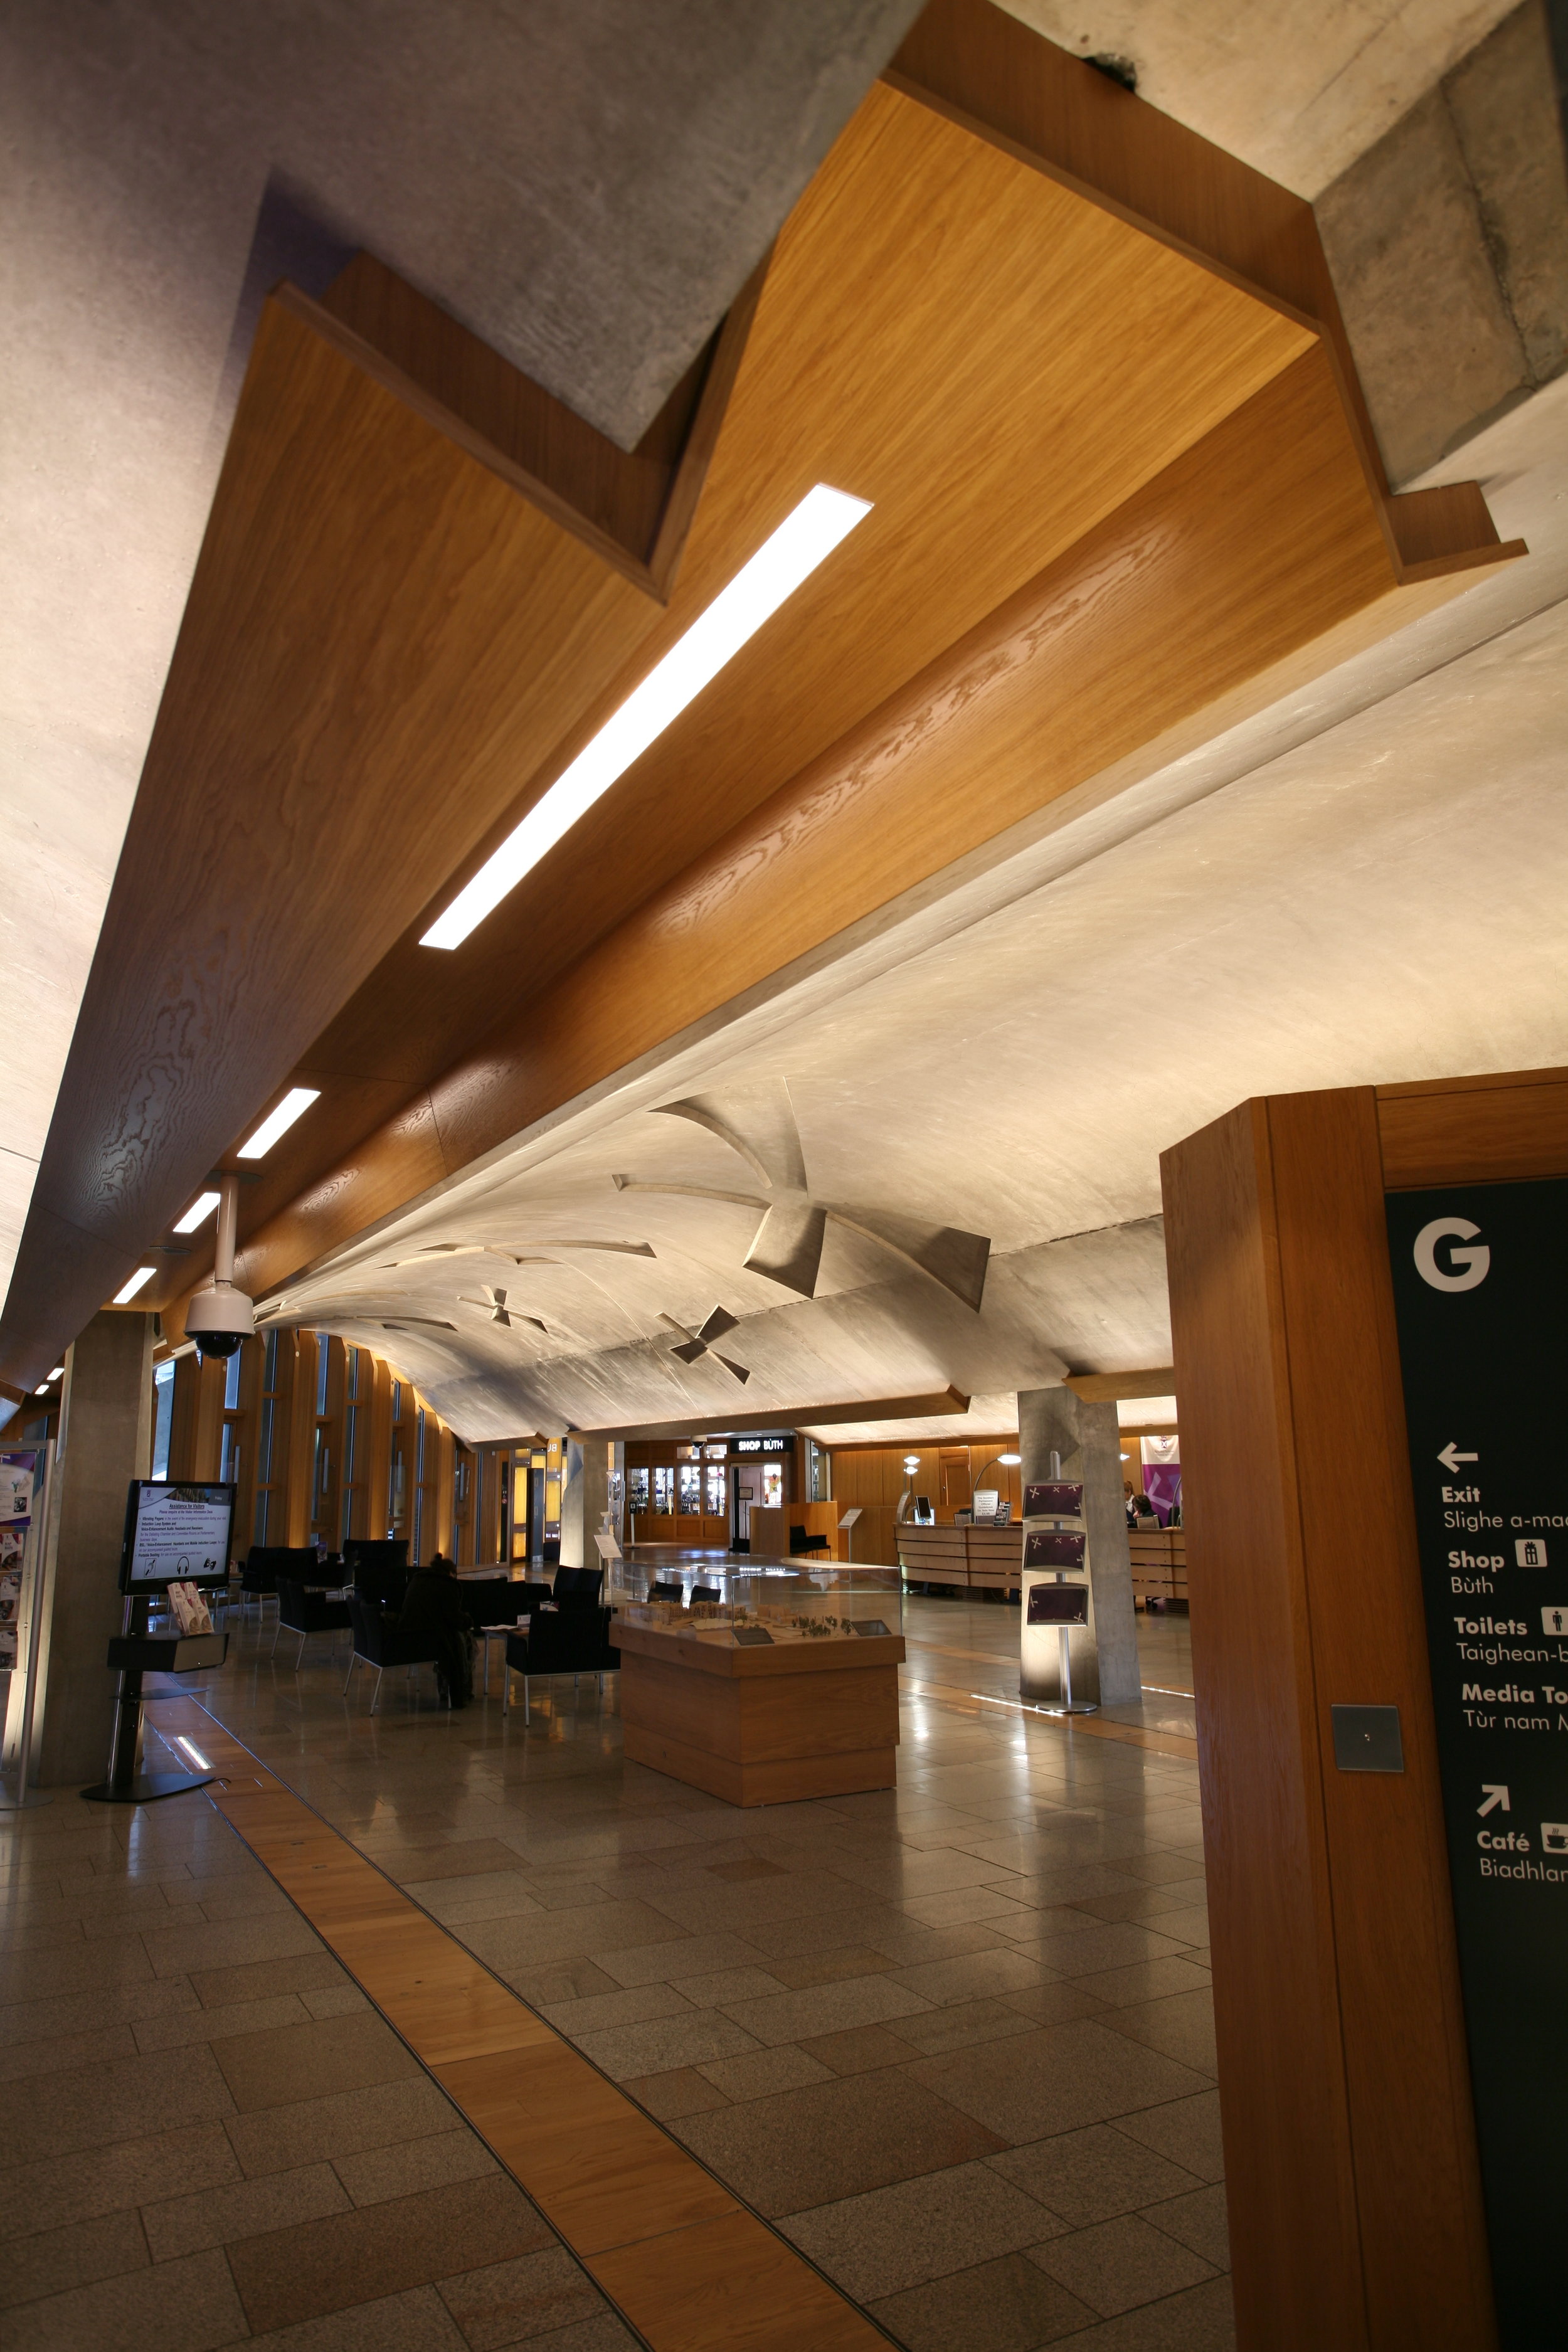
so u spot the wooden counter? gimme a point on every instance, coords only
(970, 1560)
(762, 1726)
(1159, 1563)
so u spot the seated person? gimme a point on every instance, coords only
(1144, 1514)
(435, 1614)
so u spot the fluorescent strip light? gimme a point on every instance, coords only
(198, 1213)
(278, 1122)
(57, 1370)
(803, 540)
(42, 1389)
(142, 1273)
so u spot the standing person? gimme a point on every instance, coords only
(434, 1613)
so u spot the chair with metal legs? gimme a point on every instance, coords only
(379, 1645)
(563, 1641)
(305, 1613)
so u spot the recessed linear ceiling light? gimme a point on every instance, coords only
(803, 540)
(57, 1370)
(278, 1122)
(128, 1291)
(198, 1213)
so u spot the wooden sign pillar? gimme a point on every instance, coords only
(1357, 2208)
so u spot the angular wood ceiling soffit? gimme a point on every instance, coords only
(1090, 371)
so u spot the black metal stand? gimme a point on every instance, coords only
(136, 1654)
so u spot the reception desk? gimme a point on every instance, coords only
(965, 1559)
(764, 1726)
(1159, 1564)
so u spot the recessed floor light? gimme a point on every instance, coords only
(278, 1122)
(806, 536)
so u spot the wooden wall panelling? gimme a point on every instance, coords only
(1349, 2146)
(1433, 1133)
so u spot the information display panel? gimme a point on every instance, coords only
(176, 1534)
(1480, 1283)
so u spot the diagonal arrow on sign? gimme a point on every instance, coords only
(1493, 1794)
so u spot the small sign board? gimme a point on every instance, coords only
(1058, 1604)
(1053, 1547)
(753, 1637)
(870, 1625)
(1480, 1282)
(1054, 1498)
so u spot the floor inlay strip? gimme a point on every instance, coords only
(686, 2264)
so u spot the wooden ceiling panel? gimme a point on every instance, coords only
(993, 359)
(394, 642)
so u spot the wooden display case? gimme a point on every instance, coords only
(808, 1715)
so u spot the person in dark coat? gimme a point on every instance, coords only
(435, 1614)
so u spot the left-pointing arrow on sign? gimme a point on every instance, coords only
(1451, 1457)
(1493, 1794)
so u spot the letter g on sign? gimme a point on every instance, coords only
(1470, 1266)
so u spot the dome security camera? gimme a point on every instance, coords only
(220, 1319)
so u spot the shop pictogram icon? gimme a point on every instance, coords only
(1529, 1551)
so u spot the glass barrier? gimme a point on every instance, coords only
(718, 1598)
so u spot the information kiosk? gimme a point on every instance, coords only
(1368, 1289)
(176, 1535)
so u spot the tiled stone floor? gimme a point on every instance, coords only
(955, 2041)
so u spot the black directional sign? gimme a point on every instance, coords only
(1481, 1284)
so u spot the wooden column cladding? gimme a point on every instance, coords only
(1349, 2142)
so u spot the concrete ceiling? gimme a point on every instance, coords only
(1297, 92)
(1361, 885)
(586, 188)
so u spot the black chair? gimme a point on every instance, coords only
(378, 1644)
(306, 1613)
(704, 1592)
(264, 1562)
(497, 1600)
(377, 1567)
(666, 1588)
(560, 1642)
(801, 1541)
(578, 1587)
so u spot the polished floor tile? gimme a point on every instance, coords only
(947, 2035)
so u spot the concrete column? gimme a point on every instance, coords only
(1088, 1437)
(105, 1441)
(584, 1499)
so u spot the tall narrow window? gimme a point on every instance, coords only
(418, 1483)
(163, 1417)
(353, 1467)
(266, 1422)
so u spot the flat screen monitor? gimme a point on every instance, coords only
(1058, 1604)
(176, 1532)
(924, 1515)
